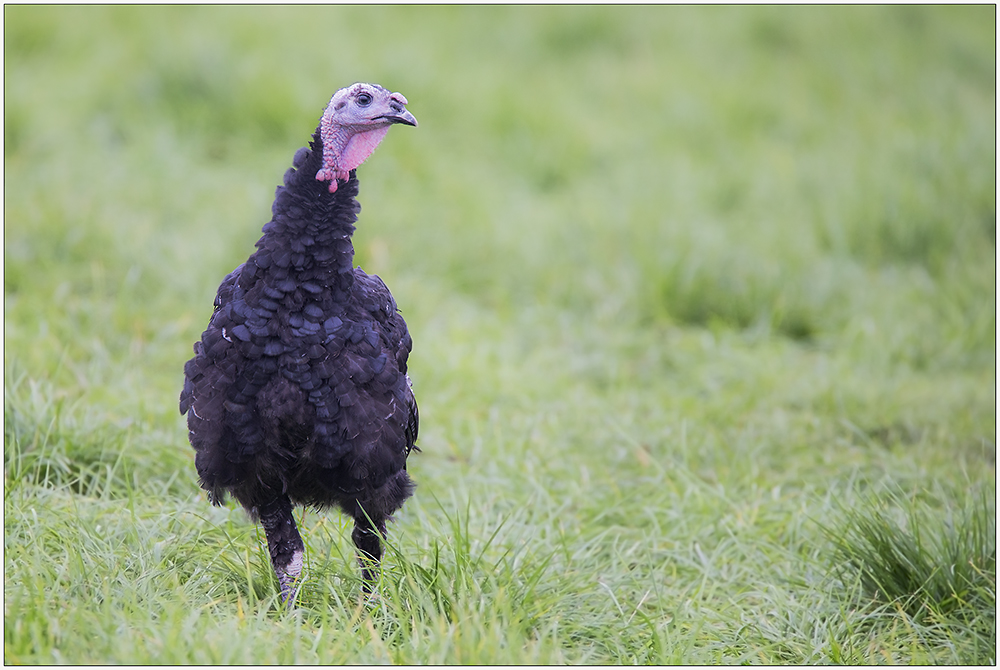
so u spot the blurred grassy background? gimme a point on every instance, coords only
(641, 250)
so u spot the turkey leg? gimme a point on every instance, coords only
(284, 544)
(367, 538)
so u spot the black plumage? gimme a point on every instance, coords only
(298, 392)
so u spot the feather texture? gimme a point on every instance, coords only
(298, 391)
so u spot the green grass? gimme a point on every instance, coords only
(929, 565)
(703, 304)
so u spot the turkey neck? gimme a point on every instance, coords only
(308, 239)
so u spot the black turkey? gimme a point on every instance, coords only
(298, 392)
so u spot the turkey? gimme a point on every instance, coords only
(298, 392)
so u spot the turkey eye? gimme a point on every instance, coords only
(364, 100)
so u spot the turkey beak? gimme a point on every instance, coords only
(402, 116)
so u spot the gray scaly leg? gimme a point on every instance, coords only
(284, 543)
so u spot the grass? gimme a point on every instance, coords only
(926, 564)
(703, 303)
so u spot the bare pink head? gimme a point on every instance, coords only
(354, 123)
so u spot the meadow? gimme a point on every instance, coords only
(703, 302)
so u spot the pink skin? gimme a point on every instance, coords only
(349, 140)
(351, 150)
